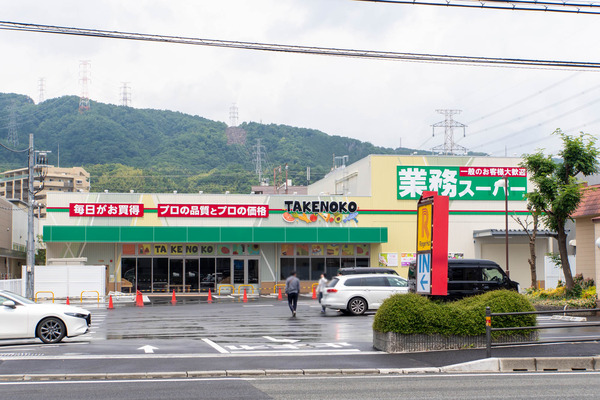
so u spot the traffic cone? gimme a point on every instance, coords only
(110, 303)
(279, 296)
(245, 300)
(209, 296)
(173, 298)
(68, 302)
(139, 300)
(314, 292)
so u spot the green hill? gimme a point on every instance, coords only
(157, 150)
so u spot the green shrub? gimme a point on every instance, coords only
(414, 314)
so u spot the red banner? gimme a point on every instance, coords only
(493, 171)
(213, 210)
(105, 210)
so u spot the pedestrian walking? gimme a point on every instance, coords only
(321, 288)
(292, 289)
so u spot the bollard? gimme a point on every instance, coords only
(488, 332)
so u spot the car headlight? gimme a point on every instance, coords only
(76, 315)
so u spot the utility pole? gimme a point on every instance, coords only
(30, 231)
(449, 147)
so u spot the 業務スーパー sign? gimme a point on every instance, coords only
(461, 183)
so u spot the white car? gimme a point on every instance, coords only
(21, 318)
(356, 294)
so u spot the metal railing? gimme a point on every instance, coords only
(488, 328)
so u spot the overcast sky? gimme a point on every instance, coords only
(387, 103)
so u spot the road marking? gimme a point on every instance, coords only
(215, 346)
(148, 349)
(272, 339)
(258, 305)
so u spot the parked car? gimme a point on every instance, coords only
(355, 294)
(469, 277)
(21, 318)
(366, 270)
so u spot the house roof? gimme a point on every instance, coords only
(590, 202)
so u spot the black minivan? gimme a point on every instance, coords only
(469, 277)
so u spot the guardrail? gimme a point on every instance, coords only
(43, 291)
(488, 328)
(228, 286)
(89, 291)
(245, 286)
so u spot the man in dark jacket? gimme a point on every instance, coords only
(292, 289)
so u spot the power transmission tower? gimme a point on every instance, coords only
(125, 94)
(13, 138)
(85, 75)
(42, 89)
(235, 134)
(258, 152)
(449, 147)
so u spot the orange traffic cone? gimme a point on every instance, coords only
(139, 300)
(209, 296)
(245, 296)
(110, 303)
(314, 292)
(173, 298)
(279, 297)
(68, 302)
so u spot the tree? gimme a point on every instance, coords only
(532, 235)
(556, 190)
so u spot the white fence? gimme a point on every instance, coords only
(13, 285)
(69, 280)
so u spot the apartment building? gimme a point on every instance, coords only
(14, 183)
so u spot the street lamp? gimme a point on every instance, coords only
(504, 183)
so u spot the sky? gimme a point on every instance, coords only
(507, 111)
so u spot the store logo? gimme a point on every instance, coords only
(330, 211)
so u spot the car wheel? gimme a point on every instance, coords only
(51, 330)
(357, 306)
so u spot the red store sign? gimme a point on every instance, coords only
(213, 210)
(493, 171)
(105, 210)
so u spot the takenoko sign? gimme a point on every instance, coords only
(461, 183)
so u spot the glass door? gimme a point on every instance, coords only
(176, 275)
(245, 274)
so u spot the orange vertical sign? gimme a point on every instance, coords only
(424, 225)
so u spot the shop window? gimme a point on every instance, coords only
(191, 274)
(303, 268)
(160, 274)
(317, 267)
(348, 263)
(128, 267)
(287, 266)
(332, 265)
(144, 274)
(223, 274)
(207, 274)
(362, 262)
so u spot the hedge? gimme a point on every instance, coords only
(415, 314)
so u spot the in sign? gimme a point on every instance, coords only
(424, 273)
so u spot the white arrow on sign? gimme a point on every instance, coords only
(272, 339)
(148, 349)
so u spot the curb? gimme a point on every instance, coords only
(537, 364)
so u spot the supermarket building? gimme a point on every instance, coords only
(360, 215)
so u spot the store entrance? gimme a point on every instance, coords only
(245, 274)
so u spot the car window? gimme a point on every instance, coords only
(3, 299)
(464, 274)
(375, 281)
(353, 282)
(492, 274)
(19, 299)
(333, 282)
(397, 282)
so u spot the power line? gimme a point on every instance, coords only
(327, 51)
(513, 5)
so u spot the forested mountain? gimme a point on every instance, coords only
(148, 150)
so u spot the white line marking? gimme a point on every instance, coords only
(259, 305)
(215, 346)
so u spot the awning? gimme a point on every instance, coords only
(212, 234)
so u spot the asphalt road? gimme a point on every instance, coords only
(431, 387)
(227, 335)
